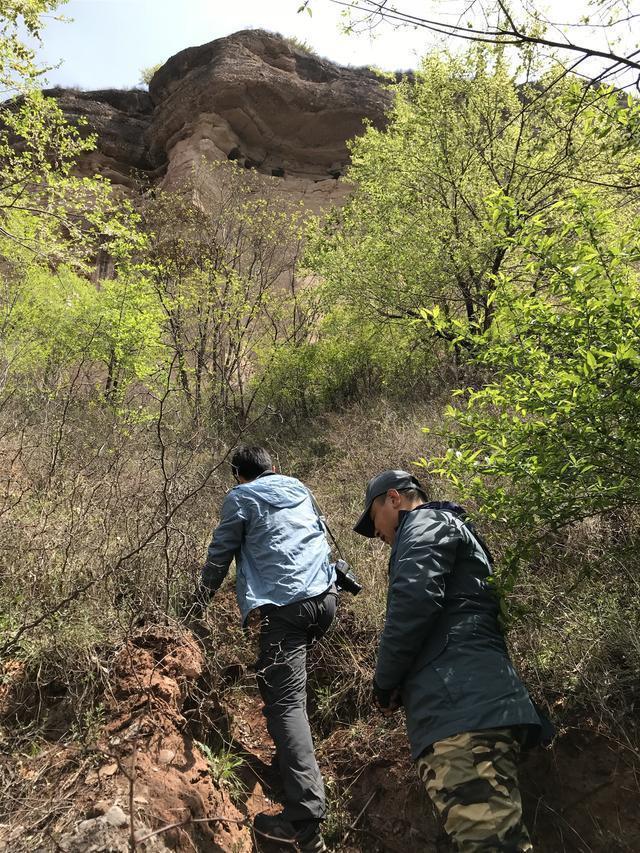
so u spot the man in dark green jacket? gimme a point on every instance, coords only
(443, 657)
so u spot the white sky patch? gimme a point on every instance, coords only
(108, 42)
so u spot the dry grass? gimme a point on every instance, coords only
(113, 538)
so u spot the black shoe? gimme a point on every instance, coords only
(303, 833)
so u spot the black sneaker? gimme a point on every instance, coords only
(305, 834)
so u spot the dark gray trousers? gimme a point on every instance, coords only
(285, 635)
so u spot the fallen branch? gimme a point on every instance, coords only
(361, 812)
(215, 819)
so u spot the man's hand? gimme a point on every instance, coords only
(193, 607)
(193, 614)
(387, 700)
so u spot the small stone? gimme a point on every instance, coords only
(166, 756)
(116, 817)
(98, 808)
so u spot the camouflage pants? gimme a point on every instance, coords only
(473, 783)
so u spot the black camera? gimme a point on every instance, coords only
(346, 580)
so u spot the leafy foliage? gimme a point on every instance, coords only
(56, 324)
(418, 232)
(44, 206)
(147, 73)
(17, 59)
(222, 261)
(552, 437)
(347, 358)
(60, 216)
(224, 766)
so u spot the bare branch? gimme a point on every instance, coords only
(505, 31)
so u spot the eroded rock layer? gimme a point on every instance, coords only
(252, 98)
(120, 120)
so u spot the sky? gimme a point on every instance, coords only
(110, 41)
(107, 42)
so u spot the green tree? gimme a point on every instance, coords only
(222, 258)
(147, 73)
(53, 322)
(342, 358)
(18, 68)
(552, 437)
(53, 223)
(126, 335)
(44, 204)
(418, 233)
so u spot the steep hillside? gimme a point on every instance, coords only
(226, 317)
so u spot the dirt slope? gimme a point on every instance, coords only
(146, 784)
(145, 772)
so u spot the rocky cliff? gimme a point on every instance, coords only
(252, 97)
(121, 121)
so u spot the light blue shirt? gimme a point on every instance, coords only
(278, 540)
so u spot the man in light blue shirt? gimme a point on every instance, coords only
(269, 524)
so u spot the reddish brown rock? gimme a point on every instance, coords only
(252, 98)
(255, 98)
(120, 119)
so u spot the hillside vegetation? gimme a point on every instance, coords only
(471, 313)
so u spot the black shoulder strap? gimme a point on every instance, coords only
(323, 522)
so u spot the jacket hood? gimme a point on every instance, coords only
(276, 490)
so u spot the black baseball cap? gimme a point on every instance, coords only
(380, 485)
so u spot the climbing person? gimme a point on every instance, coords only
(269, 523)
(442, 656)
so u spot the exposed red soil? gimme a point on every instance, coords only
(147, 731)
(581, 796)
(146, 762)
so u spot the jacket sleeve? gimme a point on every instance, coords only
(426, 555)
(225, 543)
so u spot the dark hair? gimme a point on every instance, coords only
(249, 462)
(415, 494)
(412, 494)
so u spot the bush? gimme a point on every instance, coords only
(552, 437)
(347, 359)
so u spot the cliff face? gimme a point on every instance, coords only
(251, 97)
(121, 122)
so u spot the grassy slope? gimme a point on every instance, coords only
(575, 637)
